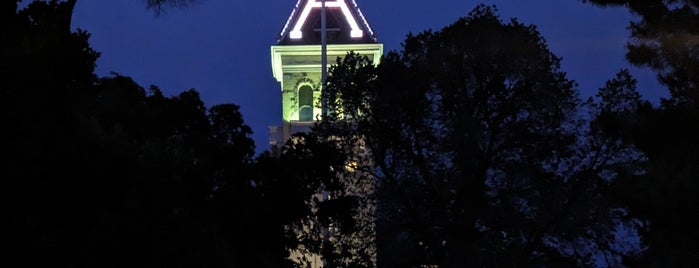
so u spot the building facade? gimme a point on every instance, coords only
(297, 58)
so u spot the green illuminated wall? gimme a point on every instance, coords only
(297, 66)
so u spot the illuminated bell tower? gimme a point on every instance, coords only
(297, 58)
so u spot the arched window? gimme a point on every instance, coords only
(305, 103)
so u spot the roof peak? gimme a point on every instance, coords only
(344, 17)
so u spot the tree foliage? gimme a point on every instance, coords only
(666, 39)
(101, 172)
(473, 139)
(161, 5)
(319, 215)
(469, 147)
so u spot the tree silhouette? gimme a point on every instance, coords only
(472, 137)
(663, 193)
(290, 186)
(99, 171)
(666, 39)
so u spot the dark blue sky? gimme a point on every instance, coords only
(222, 47)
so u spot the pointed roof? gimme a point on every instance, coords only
(344, 22)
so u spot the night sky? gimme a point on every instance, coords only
(222, 47)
